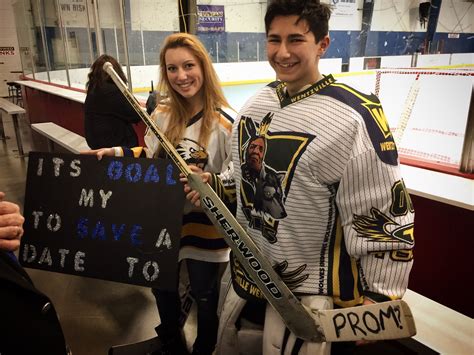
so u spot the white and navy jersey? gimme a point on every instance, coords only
(327, 205)
(199, 238)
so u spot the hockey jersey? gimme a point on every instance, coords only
(319, 191)
(199, 238)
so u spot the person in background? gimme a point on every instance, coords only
(333, 215)
(197, 120)
(108, 117)
(154, 97)
(151, 102)
(28, 321)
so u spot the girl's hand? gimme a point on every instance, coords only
(109, 152)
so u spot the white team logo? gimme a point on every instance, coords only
(193, 153)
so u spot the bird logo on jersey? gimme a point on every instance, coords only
(381, 228)
(376, 228)
(193, 153)
(268, 161)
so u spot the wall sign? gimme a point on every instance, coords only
(211, 18)
(7, 50)
(344, 7)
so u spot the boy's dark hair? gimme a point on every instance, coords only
(316, 14)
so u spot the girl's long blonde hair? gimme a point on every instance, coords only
(177, 106)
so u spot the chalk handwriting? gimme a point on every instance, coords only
(70, 215)
(164, 239)
(87, 198)
(30, 255)
(100, 231)
(133, 173)
(147, 267)
(53, 222)
(75, 166)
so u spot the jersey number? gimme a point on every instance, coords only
(401, 201)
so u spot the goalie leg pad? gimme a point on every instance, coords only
(232, 341)
(278, 340)
(231, 306)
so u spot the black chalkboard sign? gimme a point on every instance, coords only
(117, 219)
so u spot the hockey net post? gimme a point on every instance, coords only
(429, 112)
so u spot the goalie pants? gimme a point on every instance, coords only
(236, 336)
(203, 278)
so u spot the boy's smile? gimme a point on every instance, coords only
(293, 52)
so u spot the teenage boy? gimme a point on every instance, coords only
(331, 165)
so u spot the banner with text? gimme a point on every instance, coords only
(344, 8)
(211, 18)
(73, 13)
(117, 219)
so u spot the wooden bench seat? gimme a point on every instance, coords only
(55, 134)
(440, 328)
(13, 110)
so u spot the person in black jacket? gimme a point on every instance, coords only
(28, 321)
(109, 118)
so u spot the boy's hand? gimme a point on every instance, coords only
(193, 195)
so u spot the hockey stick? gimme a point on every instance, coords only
(304, 323)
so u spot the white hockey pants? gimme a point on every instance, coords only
(250, 339)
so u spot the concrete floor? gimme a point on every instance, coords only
(94, 314)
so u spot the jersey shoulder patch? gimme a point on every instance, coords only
(370, 108)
